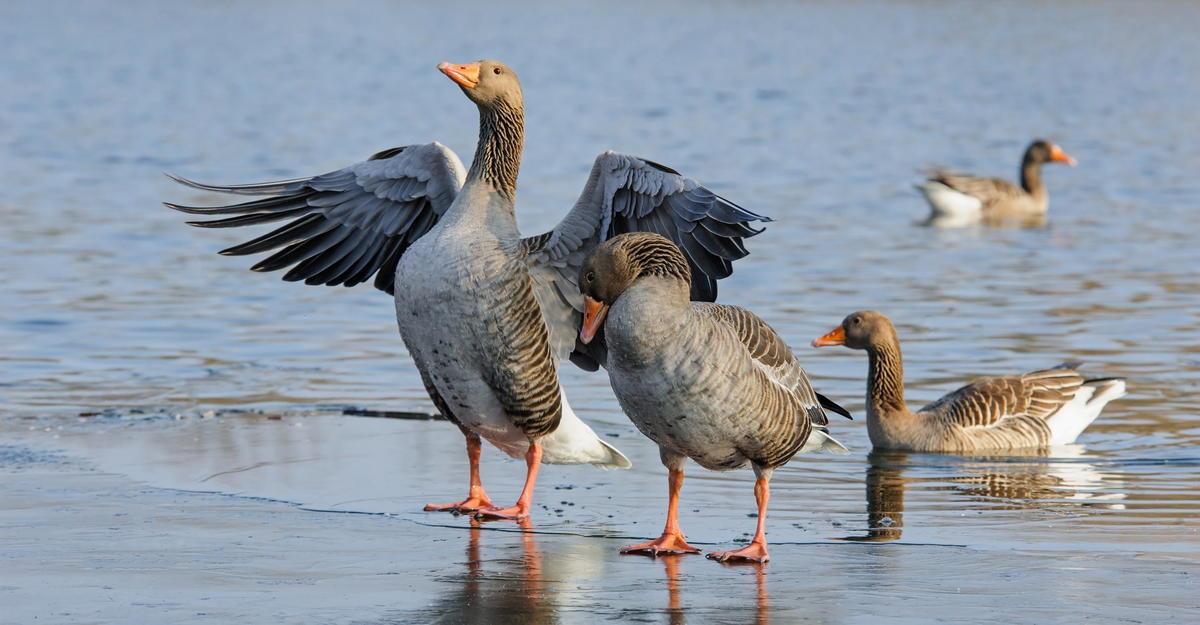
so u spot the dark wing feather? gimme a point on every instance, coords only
(347, 225)
(628, 194)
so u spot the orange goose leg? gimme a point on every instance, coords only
(672, 539)
(756, 551)
(476, 498)
(533, 458)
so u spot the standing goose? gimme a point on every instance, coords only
(485, 313)
(1040, 408)
(705, 381)
(960, 200)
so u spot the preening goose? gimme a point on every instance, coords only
(961, 200)
(485, 313)
(705, 381)
(1037, 409)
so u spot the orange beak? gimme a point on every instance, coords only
(837, 336)
(593, 318)
(466, 76)
(1057, 155)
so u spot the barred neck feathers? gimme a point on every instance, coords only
(885, 382)
(501, 138)
(653, 255)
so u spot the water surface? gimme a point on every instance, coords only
(819, 115)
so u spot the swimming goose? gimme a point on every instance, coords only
(1040, 408)
(705, 381)
(960, 200)
(485, 313)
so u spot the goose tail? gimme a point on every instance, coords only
(573, 442)
(820, 440)
(1073, 418)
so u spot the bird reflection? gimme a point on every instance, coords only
(885, 497)
(678, 614)
(1014, 481)
(1032, 221)
(516, 594)
(671, 564)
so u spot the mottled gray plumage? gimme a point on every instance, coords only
(711, 382)
(1046, 407)
(704, 381)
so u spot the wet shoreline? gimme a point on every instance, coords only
(104, 536)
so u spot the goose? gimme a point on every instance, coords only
(961, 200)
(485, 313)
(1037, 409)
(704, 381)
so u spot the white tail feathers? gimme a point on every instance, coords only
(573, 442)
(820, 440)
(1073, 418)
(948, 206)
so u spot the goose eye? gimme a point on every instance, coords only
(591, 275)
(497, 71)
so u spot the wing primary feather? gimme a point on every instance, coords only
(299, 252)
(832, 406)
(317, 268)
(260, 188)
(270, 204)
(303, 228)
(250, 220)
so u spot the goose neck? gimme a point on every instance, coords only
(885, 381)
(498, 153)
(1031, 177)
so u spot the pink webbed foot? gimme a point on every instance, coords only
(466, 506)
(511, 513)
(667, 544)
(754, 552)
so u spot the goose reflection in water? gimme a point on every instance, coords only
(678, 613)
(516, 596)
(1017, 480)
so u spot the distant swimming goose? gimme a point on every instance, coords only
(1048, 407)
(485, 313)
(960, 200)
(705, 381)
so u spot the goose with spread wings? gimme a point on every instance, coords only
(485, 313)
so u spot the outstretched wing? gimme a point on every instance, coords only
(628, 194)
(988, 190)
(988, 401)
(346, 225)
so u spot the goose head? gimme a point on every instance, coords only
(617, 264)
(864, 329)
(487, 83)
(1042, 151)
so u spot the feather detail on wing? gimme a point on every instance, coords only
(770, 353)
(989, 401)
(987, 190)
(627, 194)
(347, 225)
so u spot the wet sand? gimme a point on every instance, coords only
(324, 526)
